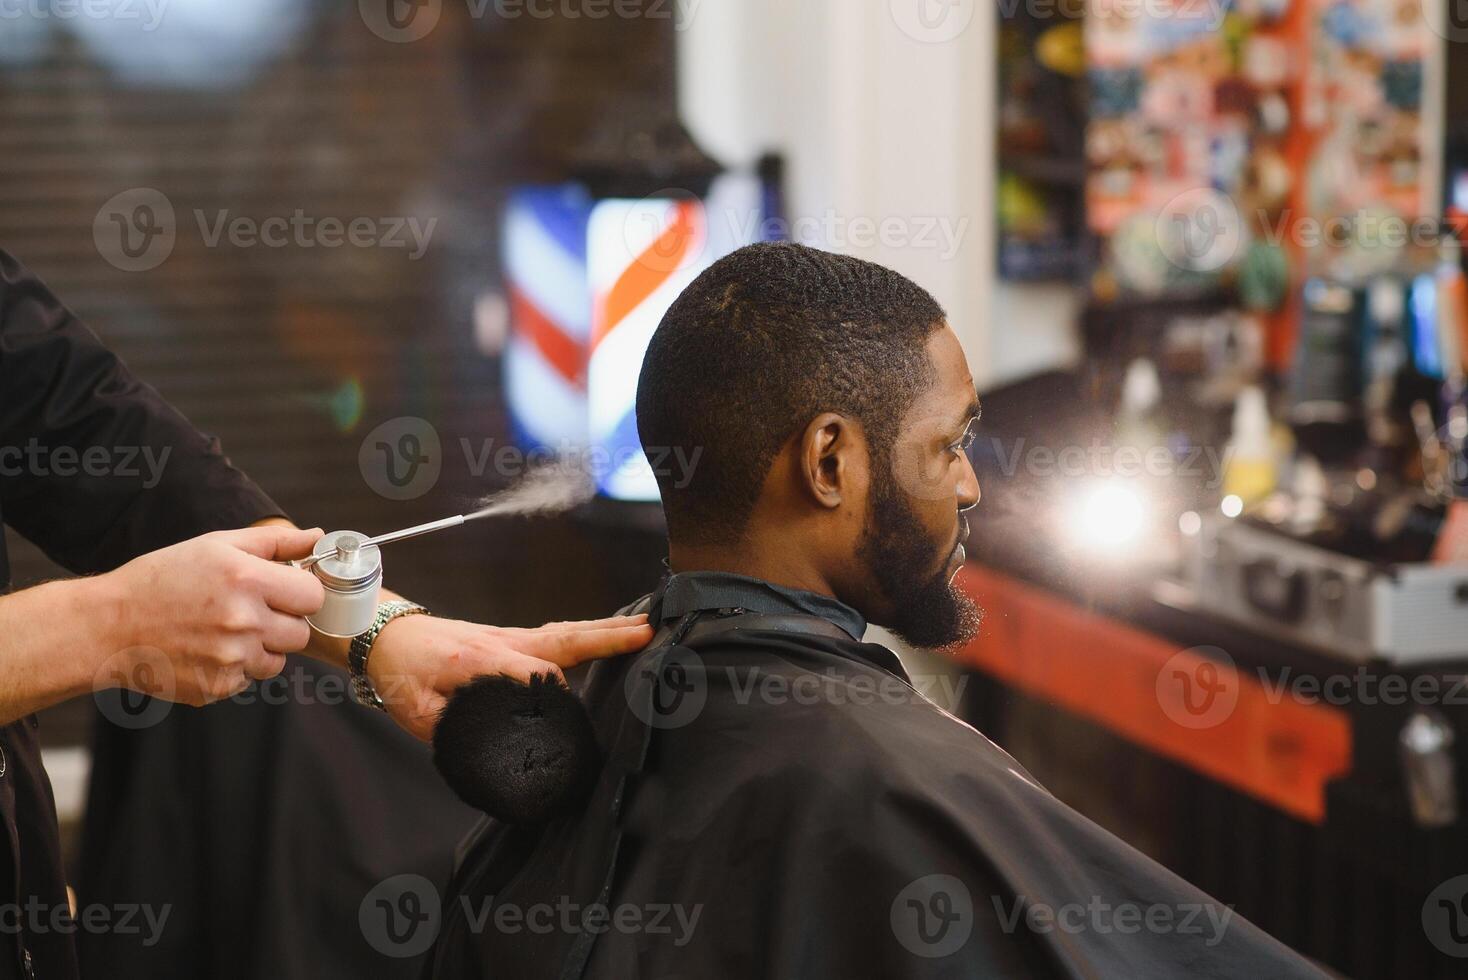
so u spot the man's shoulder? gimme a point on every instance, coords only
(828, 710)
(837, 715)
(636, 607)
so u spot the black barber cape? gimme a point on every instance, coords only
(62, 394)
(779, 802)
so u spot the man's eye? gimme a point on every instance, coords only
(964, 443)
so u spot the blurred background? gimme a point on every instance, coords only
(1204, 256)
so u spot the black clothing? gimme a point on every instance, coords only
(680, 595)
(95, 469)
(781, 803)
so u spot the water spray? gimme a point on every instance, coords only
(349, 564)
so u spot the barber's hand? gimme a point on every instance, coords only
(418, 661)
(215, 612)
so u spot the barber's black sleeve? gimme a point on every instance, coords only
(95, 467)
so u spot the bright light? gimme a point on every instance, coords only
(1232, 506)
(1190, 523)
(1109, 516)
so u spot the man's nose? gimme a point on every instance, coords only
(968, 487)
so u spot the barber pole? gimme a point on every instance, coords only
(545, 233)
(641, 255)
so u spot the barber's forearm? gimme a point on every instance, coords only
(332, 649)
(54, 639)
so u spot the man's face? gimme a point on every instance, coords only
(911, 545)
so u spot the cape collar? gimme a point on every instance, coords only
(686, 592)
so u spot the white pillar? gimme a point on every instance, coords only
(884, 110)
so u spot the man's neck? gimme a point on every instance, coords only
(767, 563)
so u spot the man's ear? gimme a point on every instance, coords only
(829, 453)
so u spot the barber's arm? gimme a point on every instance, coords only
(97, 469)
(197, 621)
(416, 662)
(212, 610)
(194, 622)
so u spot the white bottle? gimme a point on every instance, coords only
(352, 576)
(1250, 471)
(1141, 394)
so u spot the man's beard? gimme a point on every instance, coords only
(894, 545)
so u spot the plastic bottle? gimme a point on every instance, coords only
(1251, 471)
(1141, 396)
